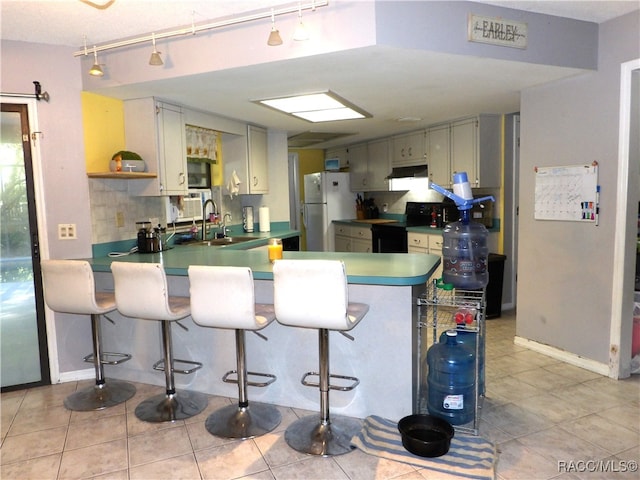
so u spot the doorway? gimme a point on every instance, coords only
(625, 242)
(23, 344)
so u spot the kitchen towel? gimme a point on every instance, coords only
(263, 219)
(468, 456)
(233, 184)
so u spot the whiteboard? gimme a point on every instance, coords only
(568, 193)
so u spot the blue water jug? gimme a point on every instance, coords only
(465, 254)
(451, 381)
(469, 338)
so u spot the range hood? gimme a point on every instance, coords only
(408, 178)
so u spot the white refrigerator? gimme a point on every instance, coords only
(327, 197)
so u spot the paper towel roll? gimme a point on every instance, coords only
(263, 219)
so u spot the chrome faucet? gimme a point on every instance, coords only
(224, 223)
(204, 216)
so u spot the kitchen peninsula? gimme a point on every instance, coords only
(382, 355)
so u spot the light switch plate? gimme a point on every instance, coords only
(119, 219)
(67, 231)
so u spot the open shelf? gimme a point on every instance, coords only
(122, 175)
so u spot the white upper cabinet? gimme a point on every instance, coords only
(476, 149)
(258, 160)
(409, 149)
(358, 167)
(438, 154)
(379, 165)
(247, 156)
(155, 130)
(471, 145)
(369, 165)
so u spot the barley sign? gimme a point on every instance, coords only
(497, 31)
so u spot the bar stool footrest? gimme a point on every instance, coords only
(272, 378)
(346, 388)
(109, 358)
(159, 365)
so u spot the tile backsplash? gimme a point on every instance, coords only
(110, 199)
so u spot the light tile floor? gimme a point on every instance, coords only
(548, 420)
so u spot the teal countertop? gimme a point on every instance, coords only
(277, 231)
(396, 269)
(425, 229)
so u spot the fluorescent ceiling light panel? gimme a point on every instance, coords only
(328, 115)
(316, 107)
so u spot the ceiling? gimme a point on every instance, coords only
(450, 91)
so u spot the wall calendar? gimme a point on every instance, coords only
(568, 193)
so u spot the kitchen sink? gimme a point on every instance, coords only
(216, 242)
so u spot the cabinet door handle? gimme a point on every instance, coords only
(410, 151)
(181, 178)
(255, 181)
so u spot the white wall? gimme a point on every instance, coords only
(566, 269)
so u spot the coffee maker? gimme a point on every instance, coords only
(149, 239)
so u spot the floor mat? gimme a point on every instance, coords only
(468, 456)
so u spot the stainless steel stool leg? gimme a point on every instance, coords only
(323, 436)
(172, 405)
(243, 420)
(104, 393)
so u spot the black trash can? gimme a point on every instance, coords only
(494, 287)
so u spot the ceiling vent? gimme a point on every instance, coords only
(306, 139)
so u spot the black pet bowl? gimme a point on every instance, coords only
(425, 436)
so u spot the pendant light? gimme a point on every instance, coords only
(96, 70)
(300, 33)
(274, 36)
(156, 59)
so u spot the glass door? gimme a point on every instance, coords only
(24, 360)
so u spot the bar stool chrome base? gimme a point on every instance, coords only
(171, 407)
(239, 422)
(312, 436)
(98, 397)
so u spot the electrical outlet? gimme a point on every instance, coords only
(119, 219)
(67, 231)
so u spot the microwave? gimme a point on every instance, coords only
(198, 174)
(186, 208)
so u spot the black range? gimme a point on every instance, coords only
(392, 237)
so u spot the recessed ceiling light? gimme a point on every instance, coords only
(316, 107)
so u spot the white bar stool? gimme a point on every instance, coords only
(69, 287)
(234, 307)
(313, 294)
(142, 292)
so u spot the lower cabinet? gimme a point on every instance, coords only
(353, 238)
(426, 243)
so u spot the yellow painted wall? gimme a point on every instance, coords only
(216, 169)
(309, 161)
(103, 119)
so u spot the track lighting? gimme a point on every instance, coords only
(274, 36)
(96, 70)
(300, 33)
(156, 59)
